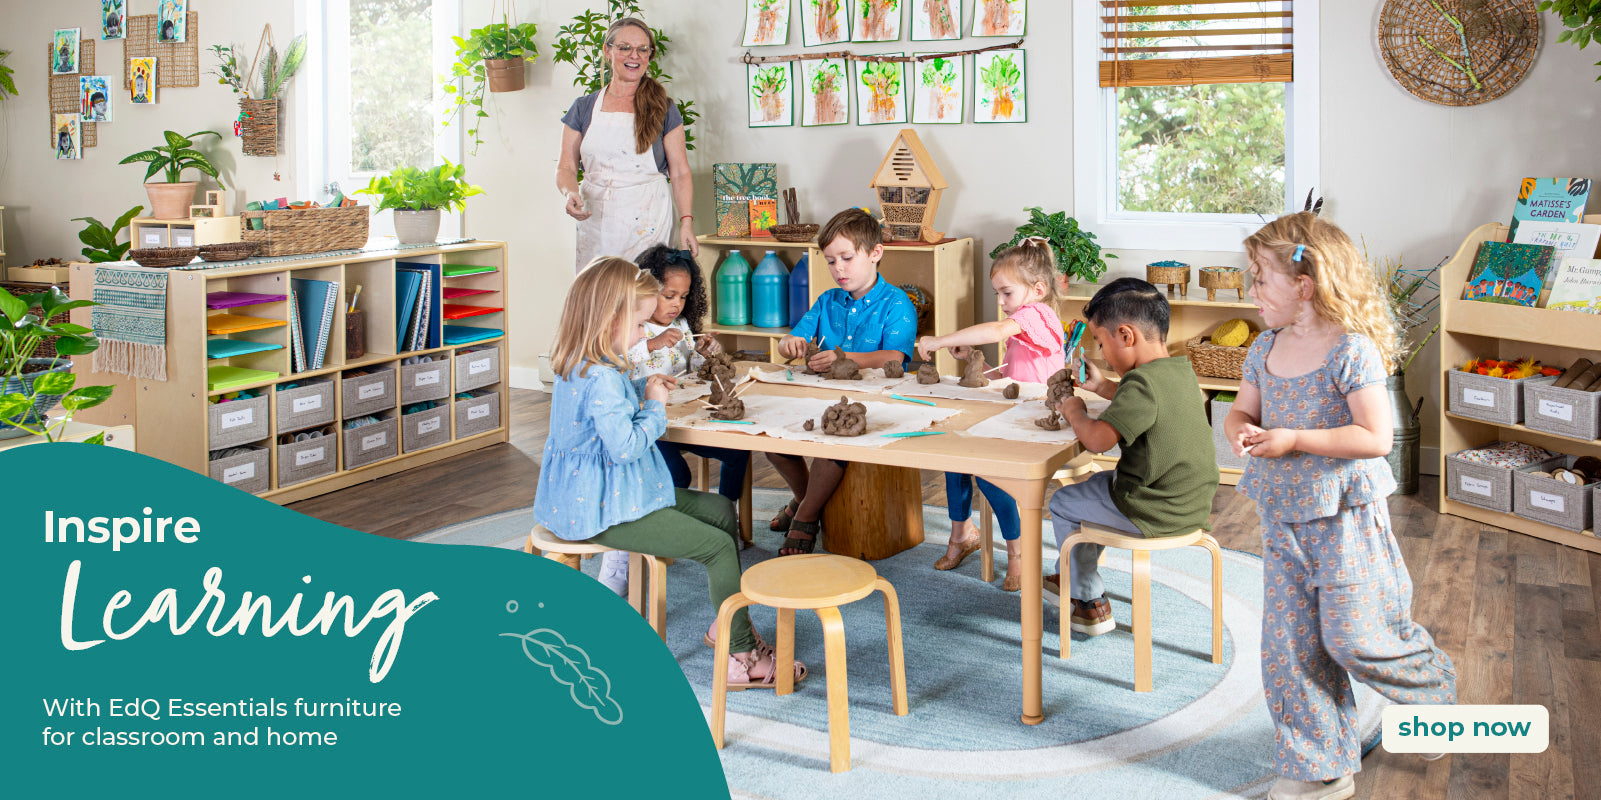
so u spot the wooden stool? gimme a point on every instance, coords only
(822, 583)
(876, 512)
(703, 482)
(1140, 549)
(646, 573)
(1081, 467)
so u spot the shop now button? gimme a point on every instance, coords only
(1466, 729)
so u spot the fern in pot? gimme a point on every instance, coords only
(418, 196)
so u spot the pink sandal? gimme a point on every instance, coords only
(740, 664)
(706, 639)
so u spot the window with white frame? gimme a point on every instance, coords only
(1193, 121)
(374, 101)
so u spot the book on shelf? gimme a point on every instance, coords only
(297, 338)
(763, 216)
(317, 302)
(237, 323)
(219, 300)
(424, 330)
(223, 378)
(462, 334)
(1549, 200)
(458, 270)
(734, 186)
(461, 311)
(228, 348)
(1508, 273)
(1577, 286)
(407, 286)
(1570, 239)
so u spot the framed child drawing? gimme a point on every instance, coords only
(1000, 81)
(825, 92)
(770, 95)
(881, 92)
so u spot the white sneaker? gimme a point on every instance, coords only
(614, 571)
(1286, 789)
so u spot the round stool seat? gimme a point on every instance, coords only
(541, 538)
(1096, 534)
(815, 580)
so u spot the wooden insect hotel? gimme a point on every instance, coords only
(909, 186)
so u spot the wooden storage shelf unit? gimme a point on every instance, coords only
(944, 270)
(1472, 329)
(203, 231)
(173, 416)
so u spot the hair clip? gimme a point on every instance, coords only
(1299, 249)
(1035, 241)
(680, 257)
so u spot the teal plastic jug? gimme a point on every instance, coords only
(733, 290)
(770, 292)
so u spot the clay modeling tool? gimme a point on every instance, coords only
(789, 374)
(734, 421)
(912, 400)
(913, 433)
(1083, 374)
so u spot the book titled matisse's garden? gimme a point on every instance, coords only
(1550, 200)
(1508, 273)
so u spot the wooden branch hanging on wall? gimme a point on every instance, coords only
(177, 63)
(66, 98)
(848, 56)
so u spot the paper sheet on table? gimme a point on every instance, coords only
(689, 388)
(872, 382)
(785, 418)
(1017, 424)
(950, 388)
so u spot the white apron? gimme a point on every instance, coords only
(629, 201)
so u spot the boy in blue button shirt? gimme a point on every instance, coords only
(868, 318)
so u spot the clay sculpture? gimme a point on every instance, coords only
(845, 418)
(810, 424)
(1057, 389)
(927, 374)
(717, 364)
(1011, 391)
(1050, 423)
(811, 350)
(973, 375)
(719, 390)
(894, 370)
(730, 408)
(844, 369)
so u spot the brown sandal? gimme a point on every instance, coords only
(798, 545)
(780, 523)
(946, 562)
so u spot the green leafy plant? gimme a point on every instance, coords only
(102, 241)
(234, 72)
(178, 155)
(21, 334)
(496, 41)
(413, 189)
(583, 45)
(7, 82)
(230, 69)
(1077, 252)
(1582, 18)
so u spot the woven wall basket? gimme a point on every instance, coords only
(259, 133)
(1425, 54)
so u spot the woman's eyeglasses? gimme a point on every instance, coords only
(627, 50)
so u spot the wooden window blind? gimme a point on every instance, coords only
(1163, 43)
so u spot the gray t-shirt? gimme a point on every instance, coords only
(582, 113)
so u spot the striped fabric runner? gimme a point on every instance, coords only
(131, 320)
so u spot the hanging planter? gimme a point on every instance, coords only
(505, 74)
(257, 126)
(491, 57)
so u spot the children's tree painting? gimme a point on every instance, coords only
(824, 93)
(825, 21)
(881, 93)
(1000, 87)
(769, 95)
(766, 22)
(877, 21)
(937, 90)
(1000, 18)
(64, 56)
(95, 94)
(933, 20)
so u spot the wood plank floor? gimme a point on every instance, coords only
(1517, 614)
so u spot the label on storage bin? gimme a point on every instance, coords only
(305, 404)
(1478, 397)
(311, 456)
(476, 367)
(1549, 502)
(428, 426)
(428, 378)
(236, 418)
(376, 440)
(370, 391)
(478, 412)
(1476, 486)
(243, 472)
(155, 238)
(1562, 411)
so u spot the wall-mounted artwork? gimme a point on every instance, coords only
(1000, 80)
(771, 103)
(877, 21)
(766, 22)
(933, 20)
(69, 136)
(825, 92)
(64, 58)
(96, 93)
(825, 21)
(112, 15)
(142, 80)
(880, 92)
(1000, 18)
(937, 86)
(172, 21)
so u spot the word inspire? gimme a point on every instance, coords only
(119, 530)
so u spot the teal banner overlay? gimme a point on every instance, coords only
(166, 635)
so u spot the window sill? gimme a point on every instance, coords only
(1159, 234)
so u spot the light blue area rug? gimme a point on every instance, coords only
(1203, 733)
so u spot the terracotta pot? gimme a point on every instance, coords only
(505, 74)
(171, 200)
(416, 227)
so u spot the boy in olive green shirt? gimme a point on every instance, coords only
(1167, 471)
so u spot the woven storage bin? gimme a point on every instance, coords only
(259, 133)
(1568, 412)
(1549, 500)
(236, 422)
(424, 429)
(371, 443)
(1477, 484)
(298, 231)
(370, 393)
(308, 405)
(1215, 361)
(477, 414)
(246, 472)
(1497, 400)
(314, 458)
(420, 382)
(477, 367)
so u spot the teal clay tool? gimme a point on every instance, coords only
(912, 400)
(912, 433)
(733, 422)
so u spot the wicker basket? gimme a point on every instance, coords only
(1215, 361)
(298, 231)
(164, 256)
(258, 132)
(794, 233)
(232, 251)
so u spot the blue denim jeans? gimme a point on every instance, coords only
(959, 497)
(731, 480)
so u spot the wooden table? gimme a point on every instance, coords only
(1021, 469)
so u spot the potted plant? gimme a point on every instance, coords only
(1077, 253)
(31, 386)
(417, 196)
(493, 55)
(257, 125)
(1413, 296)
(1582, 18)
(171, 199)
(102, 241)
(8, 86)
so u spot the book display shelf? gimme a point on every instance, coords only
(428, 382)
(944, 270)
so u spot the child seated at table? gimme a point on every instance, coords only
(873, 322)
(1167, 472)
(1024, 278)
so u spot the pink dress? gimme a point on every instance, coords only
(1035, 354)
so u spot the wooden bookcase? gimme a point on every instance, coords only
(944, 270)
(1471, 329)
(173, 416)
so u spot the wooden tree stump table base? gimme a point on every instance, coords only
(876, 512)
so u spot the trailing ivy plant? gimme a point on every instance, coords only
(1077, 252)
(495, 41)
(1582, 18)
(102, 241)
(583, 45)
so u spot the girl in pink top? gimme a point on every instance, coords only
(1024, 278)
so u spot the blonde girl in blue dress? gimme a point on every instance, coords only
(1313, 415)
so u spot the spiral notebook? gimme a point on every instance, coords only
(315, 303)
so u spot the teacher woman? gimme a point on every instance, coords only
(629, 137)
